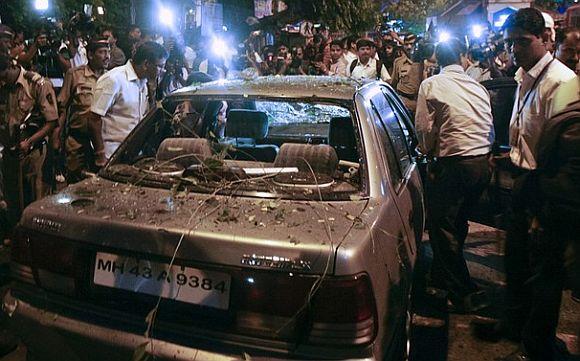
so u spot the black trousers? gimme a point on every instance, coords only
(453, 187)
(535, 275)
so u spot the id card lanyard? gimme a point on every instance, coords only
(520, 108)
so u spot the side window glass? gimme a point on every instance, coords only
(402, 117)
(392, 162)
(395, 131)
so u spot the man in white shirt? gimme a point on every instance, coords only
(533, 278)
(365, 66)
(455, 126)
(338, 63)
(120, 99)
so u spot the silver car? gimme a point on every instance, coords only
(273, 218)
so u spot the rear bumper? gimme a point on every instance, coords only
(51, 335)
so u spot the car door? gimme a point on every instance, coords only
(494, 202)
(404, 176)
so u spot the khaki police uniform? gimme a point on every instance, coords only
(31, 94)
(407, 76)
(75, 99)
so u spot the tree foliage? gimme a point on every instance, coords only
(416, 11)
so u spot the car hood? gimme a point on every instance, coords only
(286, 235)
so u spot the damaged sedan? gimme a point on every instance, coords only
(273, 218)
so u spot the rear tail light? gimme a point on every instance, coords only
(341, 310)
(49, 258)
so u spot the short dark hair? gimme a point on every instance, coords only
(5, 61)
(364, 42)
(449, 52)
(349, 41)
(527, 19)
(150, 51)
(112, 31)
(561, 34)
(337, 43)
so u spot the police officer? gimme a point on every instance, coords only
(6, 37)
(407, 74)
(27, 117)
(74, 100)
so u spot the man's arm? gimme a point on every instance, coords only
(64, 99)
(424, 122)
(46, 101)
(95, 124)
(395, 78)
(385, 76)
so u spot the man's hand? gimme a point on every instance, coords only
(100, 159)
(24, 146)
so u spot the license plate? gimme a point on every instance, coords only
(185, 284)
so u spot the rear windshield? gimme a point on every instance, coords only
(257, 147)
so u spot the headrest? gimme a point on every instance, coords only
(321, 158)
(244, 123)
(341, 132)
(185, 151)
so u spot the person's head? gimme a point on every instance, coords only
(549, 32)
(8, 71)
(364, 49)
(449, 52)
(409, 43)
(283, 50)
(390, 47)
(42, 38)
(351, 44)
(568, 47)
(134, 33)
(324, 32)
(110, 34)
(298, 53)
(149, 60)
(336, 50)
(6, 37)
(524, 37)
(99, 53)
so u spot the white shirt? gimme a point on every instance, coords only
(525, 129)
(80, 57)
(478, 73)
(367, 71)
(338, 68)
(565, 95)
(453, 116)
(120, 98)
(350, 56)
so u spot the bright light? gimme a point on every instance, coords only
(41, 4)
(64, 200)
(224, 28)
(501, 20)
(250, 280)
(100, 10)
(166, 16)
(444, 36)
(477, 31)
(219, 47)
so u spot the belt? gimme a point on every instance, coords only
(408, 96)
(455, 158)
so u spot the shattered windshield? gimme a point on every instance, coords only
(259, 147)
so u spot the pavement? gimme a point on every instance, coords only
(437, 335)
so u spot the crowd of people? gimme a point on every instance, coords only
(80, 98)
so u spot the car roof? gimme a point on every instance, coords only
(277, 86)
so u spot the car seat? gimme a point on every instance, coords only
(321, 158)
(341, 137)
(184, 151)
(246, 128)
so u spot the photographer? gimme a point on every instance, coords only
(47, 56)
(175, 76)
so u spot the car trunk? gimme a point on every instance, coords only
(242, 266)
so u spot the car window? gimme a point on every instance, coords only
(280, 149)
(401, 114)
(296, 119)
(387, 141)
(394, 130)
